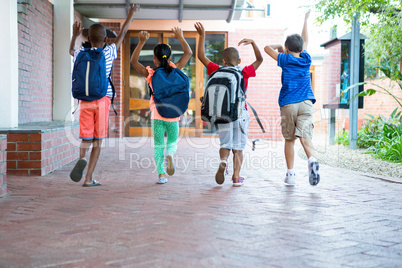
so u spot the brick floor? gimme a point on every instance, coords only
(349, 220)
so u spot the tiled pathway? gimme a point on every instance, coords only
(348, 220)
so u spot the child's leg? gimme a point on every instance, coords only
(307, 146)
(172, 132)
(85, 144)
(158, 131)
(290, 153)
(240, 135)
(225, 132)
(224, 154)
(237, 163)
(93, 159)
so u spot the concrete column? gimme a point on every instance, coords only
(9, 66)
(354, 79)
(63, 20)
(331, 126)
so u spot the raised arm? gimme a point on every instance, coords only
(258, 57)
(270, 50)
(178, 34)
(77, 29)
(201, 44)
(304, 31)
(143, 36)
(120, 37)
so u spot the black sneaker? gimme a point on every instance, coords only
(314, 175)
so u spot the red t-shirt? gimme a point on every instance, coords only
(248, 71)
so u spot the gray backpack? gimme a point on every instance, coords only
(224, 96)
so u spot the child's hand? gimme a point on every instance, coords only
(77, 29)
(143, 36)
(200, 28)
(246, 42)
(177, 32)
(133, 9)
(307, 15)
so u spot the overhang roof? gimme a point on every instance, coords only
(164, 9)
(346, 37)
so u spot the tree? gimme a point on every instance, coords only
(382, 19)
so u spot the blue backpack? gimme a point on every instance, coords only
(171, 92)
(89, 75)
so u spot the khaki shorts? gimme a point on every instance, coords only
(297, 120)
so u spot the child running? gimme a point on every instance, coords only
(233, 135)
(94, 115)
(162, 56)
(296, 101)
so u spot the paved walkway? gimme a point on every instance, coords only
(348, 220)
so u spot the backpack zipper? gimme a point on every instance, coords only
(87, 79)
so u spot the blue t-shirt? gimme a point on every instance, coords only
(296, 80)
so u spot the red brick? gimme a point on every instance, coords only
(35, 155)
(11, 164)
(29, 164)
(11, 146)
(17, 155)
(17, 137)
(35, 137)
(18, 172)
(36, 172)
(29, 146)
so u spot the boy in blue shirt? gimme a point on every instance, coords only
(296, 100)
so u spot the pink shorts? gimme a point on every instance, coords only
(94, 118)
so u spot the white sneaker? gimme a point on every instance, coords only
(162, 180)
(290, 179)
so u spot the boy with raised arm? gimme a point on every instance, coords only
(94, 115)
(233, 135)
(296, 101)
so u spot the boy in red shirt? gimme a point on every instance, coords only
(233, 135)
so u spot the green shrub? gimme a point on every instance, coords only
(381, 136)
(342, 138)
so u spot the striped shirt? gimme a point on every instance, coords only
(296, 80)
(110, 55)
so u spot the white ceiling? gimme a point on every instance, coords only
(163, 9)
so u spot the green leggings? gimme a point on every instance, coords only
(158, 131)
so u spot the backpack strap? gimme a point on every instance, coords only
(76, 108)
(259, 123)
(256, 117)
(113, 91)
(111, 84)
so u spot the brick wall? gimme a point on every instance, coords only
(263, 90)
(3, 165)
(39, 152)
(35, 62)
(380, 104)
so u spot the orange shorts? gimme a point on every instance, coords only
(94, 118)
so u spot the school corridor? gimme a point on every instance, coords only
(349, 220)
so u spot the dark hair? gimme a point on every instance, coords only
(231, 54)
(97, 33)
(294, 43)
(162, 52)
